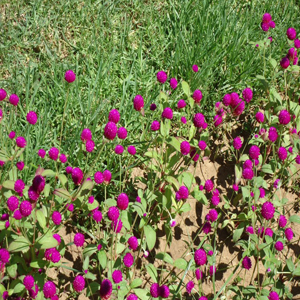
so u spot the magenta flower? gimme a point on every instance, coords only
(289, 233)
(195, 68)
(114, 116)
(164, 291)
(107, 176)
(70, 76)
(20, 165)
(202, 145)
(12, 135)
(53, 153)
(297, 43)
(133, 243)
(25, 208)
(31, 117)
(14, 99)
(208, 185)
(154, 290)
(206, 228)
(79, 283)
(110, 130)
(98, 177)
(213, 215)
(282, 153)
(254, 152)
(122, 201)
(265, 26)
(181, 104)
(167, 113)
(117, 276)
(161, 76)
(183, 120)
(122, 133)
(267, 210)
(200, 257)
(155, 126)
(199, 120)
(128, 260)
(189, 286)
(279, 246)
(173, 83)
(28, 281)
(199, 274)
(153, 106)
(79, 239)
(113, 213)
(21, 142)
(185, 148)
(138, 102)
(3, 94)
(105, 289)
(247, 263)
(247, 94)
(284, 117)
(250, 230)
(273, 135)
(291, 33)
(77, 176)
(119, 149)
(212, 270)
(273, 296)
(116, 225)
(182, 193)
(89, 146)
(239, 108)
(131, 150)
(41, 153)
(49, 289)
(86, 134)
(56, 217)
(285, 62)
(197, 96)
(248, 173)
(259, 117)
(237, 143)
(12, 203)
(227, 100)
(269, 232)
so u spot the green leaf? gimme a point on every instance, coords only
(185, 207)
(192, 133)
(150, 235)
(186, 88)
(63, 179)
(143, 294)
(48, 173)
(86, 187)
(41, 218)
(89, 250)
(180, 263)
(92, 206)
(290, 264)
(102, 259)
(238, 173)
(151, 270)
(273, 62)
(19, 244)
(297, 271)
(267, 169)
(37, 264)
(165, 257)
(9, 184)
(136, 282)
(139, 208)
(174, 142)
(12, 270)
(90, 276)
(47, 242)
(173, 181)
(238, 232)
(19, 287)
(295, 219)
(199, 195)
(47, 190)
(62, 193)
(86, 262)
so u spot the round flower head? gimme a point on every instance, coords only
(195, 68)
(57, 237)
(56, 217)
(70, 76)
(173, 83)
(291, 33)
(154, 290)
(199, 274)
(25, 208)
(63, 158)
(183, 192)
(199, 120)
(69, 169)
(212, 270)
(31, 117)
(12, 203)
(265, 26)
(279, 246)
(32, 194)
(284, 117)
(185, 148)
(297, 43)
(246, 263)
(269, 232)
(110, 130)
(122, 201)
(55, 257)
(259, 117)
(267, 18)
(183, 120)
(167, 113)
(79, 239)
(208, 185)
(105, 289)
(28, 281)
(70, 206)
(272, 24)
(17, 215)
(295, 61)
(267, 210)
(21, 142)
(131, 150)
(227, 100)
(289, 233)
(262, 192)
(122, 133)
(270, 38)
(3, 94)
(12, 135)
(113, 213)
(213, 215)
(285, 62)
(20, 165)
(237, 143)
(215, 200)
(128, 260)
(161, 76)
(79, 283)
(239, 108)
(86, 134)
(116, 225)
(133, 243)
(138, 102)
(1, 114)
(181, 104)
(200, 257)
(14, 99)
(38, 183)
(247, 164)
(117, 276)
(248, 173)
(114, 116)
(138, 199)
(89, 146)
(107, 176)
(98, 177)
(254, 152)
(217, 120)
(197, 96)
(91, 199)
(247, 94)
(250, 230)
(155, 126)
(4, 256)
(292, 53)
(119, 149)
(164, 291)
(132, 297)
(235, 100)
(153, 106)
(277, 184)
(53, 153)
(273, 135)
(77, 176)
(273, 296)
(41, 153)
(282, 153)
(189, 286)
(49, 289)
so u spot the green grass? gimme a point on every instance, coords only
(117, 47)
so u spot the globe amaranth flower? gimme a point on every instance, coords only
(41, 153)
(197, 96)
(114, 116)
(202, 145)
(138, 102)
(247, 263)
(105, 289)
(131, 150)
(77, 176)
(265, 26)
(199, 120)
(200, 257)
(208, 185)
(79, 239)
(217, 120)
(269, 232)
(282, 153)
(267, 18)
(215, 200)
(213, 215)
(183, 120)
(57, 237)
(185, 148)
(3, 94)
(250, 230)
(164, 291)
(113, 213)
(292, 53)
(116, 225)
(239, 108)
(181, 104)
(17, 215)
(21, 142)
(254, 152)
(284, 117)
(267, 210)
(53, 153)
(38, 183)
(28, 281)
(49, 289)
(31, 117)
(86, 134)
(153, 106)
(259, 117)
(122, 201)
(128, 260)
(154, 290)
(132, 297)
(291, 33)
(14, 99)
(289, 233)
(155, 126)
(117, 276)
(110, 130)
(12, 135)
(79, 283)
(25, 208)
(202, 298)
(20, 165)
(98, 177)
(277, 183)
(273, 134)
(56, 217)
(70, 206)
(182, 193)
(107, 176)
(189, 286)
(195, 68)
(133, 243)
(237, 143)
(161, 76)
(12, 203)
(273, 296)
(297, 43)
(247, 173)
(285, 63)
(199, 274)
(89, 146)
(247, 94)
(212, 270)
(227, 100)
(55, 256)
(70, 76)
(167, 113)
(119, 149)
(173, 83)
(278, 246)
(122, 133)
